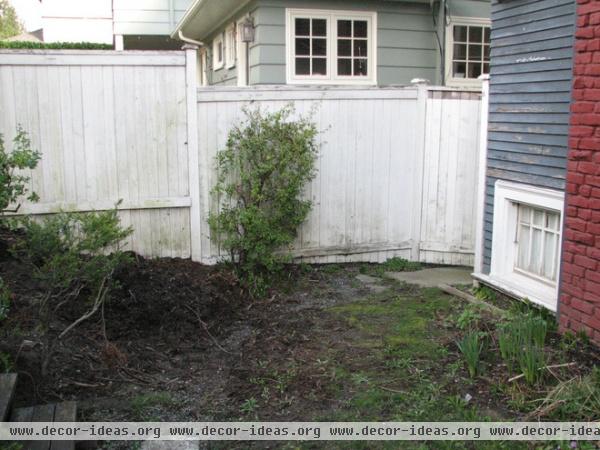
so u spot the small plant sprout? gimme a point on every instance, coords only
(471, 346)
(531, 362)
(249, 406)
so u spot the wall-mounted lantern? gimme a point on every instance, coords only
(247, 30)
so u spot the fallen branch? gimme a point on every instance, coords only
(205, 327)
(395, 391)
(469, 298)
(555, 366)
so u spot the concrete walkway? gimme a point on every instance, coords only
(434, 277)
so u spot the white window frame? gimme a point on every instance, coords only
(230, 46)
(242, 56)
(503, 273)
(466, 21)
(218, 64)
(203, 67)
(332, 16)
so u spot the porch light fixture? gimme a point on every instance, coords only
(247, 30)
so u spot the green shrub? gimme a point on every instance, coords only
(54, 45)
(468, 319)
(267, 161)
(13, 183)
(471, 346)
(73, 256)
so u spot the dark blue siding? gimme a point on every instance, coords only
(530, 94)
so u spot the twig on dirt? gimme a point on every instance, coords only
(98, 301)
(555, 366)
(88, 385)
(205, 327)
(395, 391)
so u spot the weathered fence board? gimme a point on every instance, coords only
(109, 128)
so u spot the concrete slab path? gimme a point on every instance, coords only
(434, 277)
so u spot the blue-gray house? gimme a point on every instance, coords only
(530, 93)
(341, 42)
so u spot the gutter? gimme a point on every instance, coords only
(188, 40)
(191, 12)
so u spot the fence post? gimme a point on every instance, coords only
(481, 184)
(420, 132)
(193, 156)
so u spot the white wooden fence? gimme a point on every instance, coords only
(396, 174)
(397, 171)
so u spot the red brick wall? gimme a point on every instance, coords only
(580, 289)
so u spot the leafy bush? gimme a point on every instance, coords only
(267, 161)
(55, 45)
(468, 319)
(74, 257)
(13, 184)
(471, 346)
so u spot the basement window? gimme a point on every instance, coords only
(331, 47)
(538, 235)
(526, 239)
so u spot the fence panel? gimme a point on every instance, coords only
(109, 126)
(449, 211)
(387, 184)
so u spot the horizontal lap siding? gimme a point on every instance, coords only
(407, 46)
(148, 17)
(530, 92)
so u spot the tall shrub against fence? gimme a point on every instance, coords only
(396, 170)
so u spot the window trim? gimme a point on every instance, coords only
(455, 20)
(502, 271)
(218, 64)
(332, 78)
(230, 46)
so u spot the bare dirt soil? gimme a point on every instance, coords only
(184, 345)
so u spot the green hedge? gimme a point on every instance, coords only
(55, 45)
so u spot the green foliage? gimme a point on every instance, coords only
(249, 406)
(6, 364)
(13, 184)
(267, 161)
(521, 341)
(397, 264)
(485, 293)
(577, 399)
(5, 297)
(73, 256)
(55, 45)
(471, 346)
(468, 319)
(531, 360)
(9, 22)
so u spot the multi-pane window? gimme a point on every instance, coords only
(330, 47)
(352, 48)
(469, 51)
(310, 46)
(538, 237)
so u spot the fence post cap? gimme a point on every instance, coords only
(188, 46)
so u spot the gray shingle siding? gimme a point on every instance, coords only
(530, 94)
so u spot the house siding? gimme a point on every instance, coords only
(148, 17)
(530, 95)
(406, 39)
